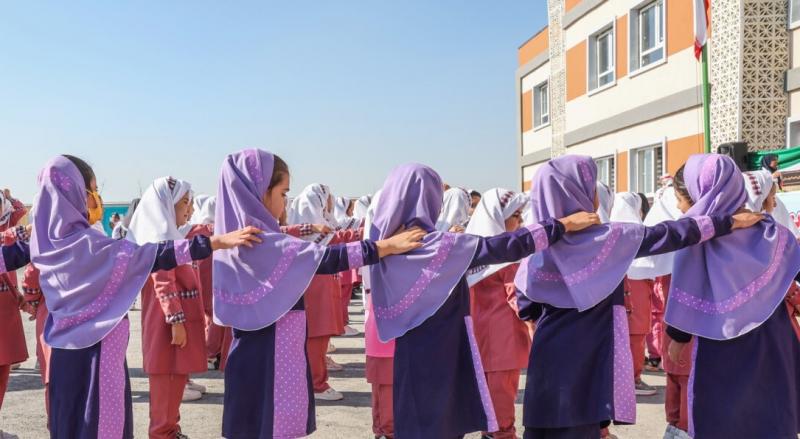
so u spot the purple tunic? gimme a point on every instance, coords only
(268, 392)
(440, 389)
(90, 392)
(580, 370)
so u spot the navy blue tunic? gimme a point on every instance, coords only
(570, 379)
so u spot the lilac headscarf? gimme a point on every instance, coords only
(585, 267)
(89, 280)
(408, 289)
(254, 287)
(728, 286)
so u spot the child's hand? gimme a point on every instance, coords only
(246, 237)
(402, 242)
(457, 229)
(675, 350)
(744, 220)
(322, 229)
(579, 221)
(179, 335)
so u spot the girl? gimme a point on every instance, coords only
(121, 229)
(630, 207)
(90, 282)
(323, 298)
(605, 198)
(455, 211)
(503, 339)
(37, 308)
(14, 255)
(575, 291)
(260, 293)
(173, 319)
(343, 213)
(422, 302)
(746, 358)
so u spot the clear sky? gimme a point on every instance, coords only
(343, 90)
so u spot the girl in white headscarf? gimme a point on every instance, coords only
(504, 340)
(455, 211)
(323, 297)
(630, 207)
(173, 314)
(361, 206)
(605, 198)
(343, 213)
(761, 197)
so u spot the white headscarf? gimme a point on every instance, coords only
(605, 198)
(369, 213)
(627, 208)
(154, 219)
(362, 204)
(455, 209)
(781, 215)
(664, 208)
(204, 208)
(489, 219)
(6, 209)
(311, 207)
(759, 185)
(340, 214)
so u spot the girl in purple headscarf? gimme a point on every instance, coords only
(421, 300)
(259, 292)
(90, 281)
(580, 375)
(728, 294)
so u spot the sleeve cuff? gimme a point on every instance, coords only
(355, 255)
(540, 238)
(182, 253)
(706, 226)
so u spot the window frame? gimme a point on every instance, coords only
(593, 52)
(632, 167)
(789, 121)
(611, 159)
(796, 23)
(537, 103)
(635, 55)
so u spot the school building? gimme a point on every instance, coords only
(618, 80)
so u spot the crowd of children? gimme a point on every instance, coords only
(462, 291)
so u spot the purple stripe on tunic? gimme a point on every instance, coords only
(355, 255)
(483, 386)
(290, 413)
(690, 391)
(182, 255)
(624, 393)
(539, 236)
(111, 419)
(706, 227)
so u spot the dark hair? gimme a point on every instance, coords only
(475, 194)
(680, 184)
(645, 204)
(279, 169)
(126, 222)
(86, 171)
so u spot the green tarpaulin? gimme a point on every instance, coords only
(786, 157)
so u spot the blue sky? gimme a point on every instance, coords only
(342, 90)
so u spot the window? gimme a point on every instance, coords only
(647, 166)
(541, 106)
(648, 24)
(601, 58)
(793, 132)
(605, 171)
(794, 13)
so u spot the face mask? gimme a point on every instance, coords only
(96, 214)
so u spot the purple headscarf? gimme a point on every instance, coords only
(254, 287)
(408, 289)
(728, 286)
(89, 280)
(585, 267)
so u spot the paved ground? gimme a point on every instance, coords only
(23, 410)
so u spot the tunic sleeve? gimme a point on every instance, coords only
(511, 247)
(528, 310)
(14, 234)
(343, 257)
(670, 236)
(166, 291)
(31, 289)
(345, 236)
(170, 254)
(19, 210)
(297, 230)
(13, 257)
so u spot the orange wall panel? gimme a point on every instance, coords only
(576, 71)
(533, 47)
(569, 4)
(680, 26)
(527, 111)
(679, 150)
(622, 171)
(526, 185)
(622, 46)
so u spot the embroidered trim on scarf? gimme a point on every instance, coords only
(428, 274)
(258, 293)
(742, 296)
(111, 287)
